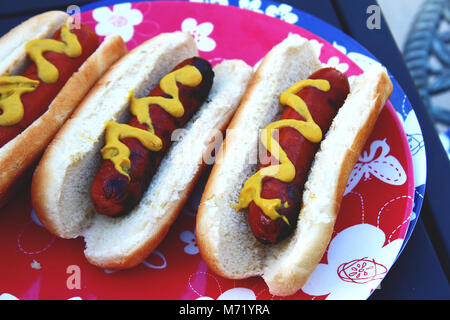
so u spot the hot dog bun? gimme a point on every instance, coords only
(224, 237)
(21, 152)
(61, 183)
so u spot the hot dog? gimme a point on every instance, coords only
(51, 66)
(252, 219)
(323, 107)
(121, 138)
(36, 102)
(113, 193)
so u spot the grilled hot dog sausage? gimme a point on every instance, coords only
(112, 192)
(323, 107)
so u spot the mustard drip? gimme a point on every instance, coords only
(118, 152)
(11, 89)
(69, 45)
(285, 170)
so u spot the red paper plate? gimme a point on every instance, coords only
(369, 231)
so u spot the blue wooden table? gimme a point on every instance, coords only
(422, 270)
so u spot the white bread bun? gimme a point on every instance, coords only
(20, 153)
(61, 184)
(224, 236)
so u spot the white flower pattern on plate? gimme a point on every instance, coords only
(8, 296)
(234, 294)
(189, 238)
(222, 2)
(335, 63)
(416, 144)
(283, 11)
(154, 266)
(385, 167)
(121, 20)
(253, 5)
(317, 47)
(200, 32)
(363, 61)
(355, 273)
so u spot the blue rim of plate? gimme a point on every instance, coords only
(352, 48)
